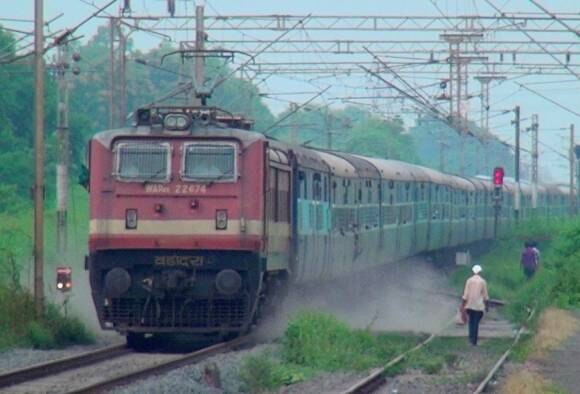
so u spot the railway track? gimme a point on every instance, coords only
(376, 378)
(103, 369)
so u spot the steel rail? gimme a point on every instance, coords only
(61, 365)
(377, 377)
(163, 367)
(503, 357)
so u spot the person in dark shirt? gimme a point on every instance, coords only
(529, 260)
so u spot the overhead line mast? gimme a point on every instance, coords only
(39, 158)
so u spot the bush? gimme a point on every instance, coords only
(323, 342)
(261, 373)
(19, 327)
(39, 336)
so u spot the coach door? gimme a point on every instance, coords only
(278, 211)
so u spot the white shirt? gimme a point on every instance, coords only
(475, 293)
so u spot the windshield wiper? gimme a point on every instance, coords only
(219, 177)
(151, 177)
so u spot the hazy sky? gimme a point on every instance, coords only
(564, 88)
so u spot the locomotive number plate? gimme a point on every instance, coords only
(181, 261)
(184, 189)
(176, 189)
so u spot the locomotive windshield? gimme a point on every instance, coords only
(209, 162)
(143, 161)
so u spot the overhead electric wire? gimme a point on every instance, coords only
(554, 17)
(549, 99)
(535, 42)
(298, 108)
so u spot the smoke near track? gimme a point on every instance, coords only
(410, 295)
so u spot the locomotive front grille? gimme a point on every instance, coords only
(179, 313)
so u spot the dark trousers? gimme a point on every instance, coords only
(474, 319)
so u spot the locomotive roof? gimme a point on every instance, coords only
(342, 164)
(246, 137)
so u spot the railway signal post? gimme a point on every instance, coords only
(498, 173)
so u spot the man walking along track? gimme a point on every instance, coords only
(475, 299)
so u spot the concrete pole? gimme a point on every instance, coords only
(199, 59)
(572, 186)
(62, 133)
(517, 202)
(535, 127)
(328, 130)
(294, 126)
(112, 73)
(39, 159)
(122, 76)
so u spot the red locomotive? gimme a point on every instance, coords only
(197, 222)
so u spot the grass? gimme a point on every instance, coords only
(318, 342)
(557, 281)
(18, 326)
(445, 352)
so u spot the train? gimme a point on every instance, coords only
(199, 224)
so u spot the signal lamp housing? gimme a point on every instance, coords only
(498, 173)
(64, 278)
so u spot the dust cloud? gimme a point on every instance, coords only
(407, 296)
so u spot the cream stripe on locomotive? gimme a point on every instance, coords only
(173, 227)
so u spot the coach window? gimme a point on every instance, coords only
(283, 196)
(316, 187)
(272, 194)
(143, 161)
(302, 188)
(213, 162)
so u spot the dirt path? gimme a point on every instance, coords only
(562, 366)
(553, 365)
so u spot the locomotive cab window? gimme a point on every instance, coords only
(215, 162)
(143, 161)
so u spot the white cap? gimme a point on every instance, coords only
(476, 269)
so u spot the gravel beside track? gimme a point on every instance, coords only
(78, 378)
(195, 378)
(19, 358)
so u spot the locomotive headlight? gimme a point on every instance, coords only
(228, 282)
(131, 219)
(221, 219)
(176, 121)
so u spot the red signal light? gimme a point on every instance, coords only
(498, 173)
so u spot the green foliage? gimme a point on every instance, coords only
(315, 342)
(39, 336)
(262, 373)
(557, 281)
(18, 326)
(383, 139)
(428, 132)
(322, 342)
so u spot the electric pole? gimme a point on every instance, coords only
(112, 24)
(516, 122)
(39, 159)
(199, 94)
(328, 130)
(62, 135)
(294, 126)
(572, 188)
(485, 80)
(60, 69)
(535, 127)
